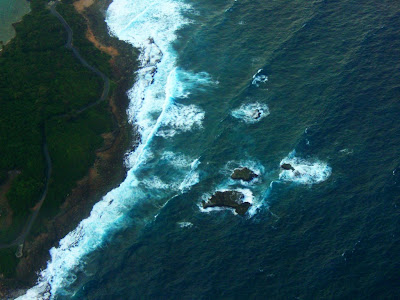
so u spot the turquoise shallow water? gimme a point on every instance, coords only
(11, 11)
(324, 74)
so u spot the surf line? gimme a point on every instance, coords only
(157, 71)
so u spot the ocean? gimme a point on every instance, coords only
(11, 11)
(238, 83)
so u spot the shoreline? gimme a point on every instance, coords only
(108, 170)
(3, 43)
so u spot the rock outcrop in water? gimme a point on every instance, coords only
(287, 167)
(231, 199)
(256, 114)
(244, 174)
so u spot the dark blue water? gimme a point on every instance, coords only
(326, 76)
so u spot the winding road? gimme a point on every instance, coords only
(19, 241)
(68, 45)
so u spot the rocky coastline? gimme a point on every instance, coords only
(108, 170)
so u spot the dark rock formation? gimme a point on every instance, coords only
(287, 167)
(243, 174)
(257, 114)
(232, 199)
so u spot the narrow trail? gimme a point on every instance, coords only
(19, 241)
(68, 45)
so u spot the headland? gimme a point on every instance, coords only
(86, 138)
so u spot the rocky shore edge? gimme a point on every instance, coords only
(108, 170)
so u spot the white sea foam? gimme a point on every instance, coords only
(149, 25)
(186, 82)
(192, 176)
(215, 209)
(251, 113)
(248, 195)
(181, 118)
(305, 172)
(177, 160)
(259, 78)
(154, 182)
(190, 180)
(256, 203)
(346, 151)
(185, 224)
(141, 156)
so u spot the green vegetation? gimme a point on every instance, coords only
(85, 47)
(3, 176)
(8, 261)
(42, 86)
(72, 144)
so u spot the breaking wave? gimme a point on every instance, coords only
(305, 172)
(259, 78)
(251, 113)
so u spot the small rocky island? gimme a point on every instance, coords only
(287, 167)
(231, 199)
(256, 114)
(244, 174)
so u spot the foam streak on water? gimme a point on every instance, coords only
(149, 25)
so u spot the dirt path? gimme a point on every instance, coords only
(81, 5)
(113, 52)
